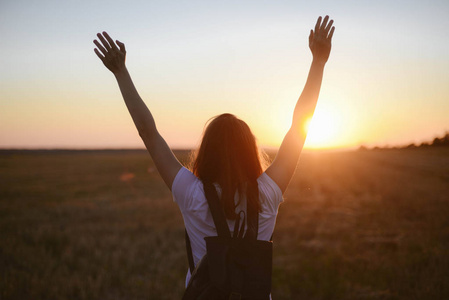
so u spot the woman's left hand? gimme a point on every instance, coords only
(320, 40)
(111, 56)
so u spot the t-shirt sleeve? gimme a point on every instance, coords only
(182, 187)
(272, 194)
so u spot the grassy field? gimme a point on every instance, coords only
(102, 225)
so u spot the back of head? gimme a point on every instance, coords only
(228, 155)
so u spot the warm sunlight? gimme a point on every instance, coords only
(328, 129)
(323, 129)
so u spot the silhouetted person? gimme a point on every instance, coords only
(228, 155)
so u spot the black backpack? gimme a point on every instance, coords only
(237, 267)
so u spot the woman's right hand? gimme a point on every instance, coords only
(111, 56)
(320, 40)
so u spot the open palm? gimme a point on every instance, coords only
(113, 57)
(320, 39)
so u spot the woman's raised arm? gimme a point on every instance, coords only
(284, 165)
(113, 58)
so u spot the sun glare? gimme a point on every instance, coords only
(323, 129)
(327, 129)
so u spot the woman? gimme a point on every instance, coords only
(228, 155)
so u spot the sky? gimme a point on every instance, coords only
(386, 81)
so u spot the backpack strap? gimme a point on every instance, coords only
(221, 224)
(189, 253)
(239, 230)
(253, 219)
(253, 224)
(217, 212)
(220, 219)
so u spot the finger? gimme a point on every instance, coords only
(111, 42)
(99, 55)
(121, 45)
(310, 36)
(329, 26)
(106, 45)
(317, 25)
(102, 49)
(323, 25)
(331, 33)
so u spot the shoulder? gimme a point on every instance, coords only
(269, 193)
(184, 184)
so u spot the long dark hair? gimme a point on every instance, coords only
(228, 155)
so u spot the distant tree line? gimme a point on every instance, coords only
(437, 142)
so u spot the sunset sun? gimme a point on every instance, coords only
(323, 129)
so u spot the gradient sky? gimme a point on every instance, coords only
(386, 82)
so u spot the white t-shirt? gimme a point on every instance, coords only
(188, 193)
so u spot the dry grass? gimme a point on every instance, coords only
(102, 225)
